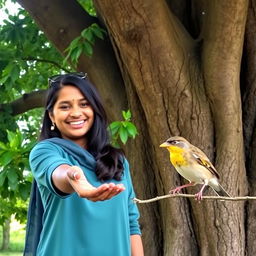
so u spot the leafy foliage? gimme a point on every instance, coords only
(15, 178)
(88, 6)
(84, 43)
(122, 130)
(26, 57)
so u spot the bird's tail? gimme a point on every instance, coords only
(219, 190)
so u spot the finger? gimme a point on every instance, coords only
(111, 190)
(96, 192)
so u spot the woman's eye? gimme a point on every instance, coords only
(64, 107)
(84, 104)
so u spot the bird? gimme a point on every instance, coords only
(193, 165)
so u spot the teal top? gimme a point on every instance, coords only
(74, 226)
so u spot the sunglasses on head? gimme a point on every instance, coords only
(57, 78)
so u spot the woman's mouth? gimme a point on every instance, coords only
(77, 124)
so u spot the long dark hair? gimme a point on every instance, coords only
(109, 159)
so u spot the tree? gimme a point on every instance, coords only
(15, 181)
(184, 69)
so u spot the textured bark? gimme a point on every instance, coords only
(221, 72)
(28, 101)
(163, 76)
(248, 89)
(181, 107)
(6, 235)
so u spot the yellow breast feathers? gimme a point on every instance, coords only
(177, 156)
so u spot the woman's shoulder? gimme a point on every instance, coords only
(47, 144)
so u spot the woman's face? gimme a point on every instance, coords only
(73, 115)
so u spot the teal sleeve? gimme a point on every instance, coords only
(44, 158)
(133, 209)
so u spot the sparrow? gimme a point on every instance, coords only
(192, 164)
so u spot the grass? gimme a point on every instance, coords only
(17, 238)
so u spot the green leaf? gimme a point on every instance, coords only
(131, 128)
(24, 190)
(114, 127)
(75, 54)
(127, 115)
(123, 134)
(15, 73)
(88, 35)
(13, 186)
(2, 177)
(12, 177)
(6, 158)
(4, 79)
(15, 139)
(88, 50)
(3, 146)
(88, 6)
(74, 43)
(97, 31)
(10, 135)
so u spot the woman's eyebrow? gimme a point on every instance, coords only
(69, 101)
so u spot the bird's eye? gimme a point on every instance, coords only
(174, 142)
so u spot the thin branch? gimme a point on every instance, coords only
(222, 198)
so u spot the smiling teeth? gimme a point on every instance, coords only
(76, 123)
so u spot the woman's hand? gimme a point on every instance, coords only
(83, 188)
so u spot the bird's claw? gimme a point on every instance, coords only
(199, 196)
(175, 191)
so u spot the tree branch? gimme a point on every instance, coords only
(26, 102)
(222, 198)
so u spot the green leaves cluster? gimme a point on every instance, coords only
(84, 43)
(15, 178)
(88, 6)
(120, 131)
(26, 57)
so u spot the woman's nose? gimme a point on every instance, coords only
(76, 112)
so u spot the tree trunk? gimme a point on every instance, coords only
(6, 235)
(248, 90)
(187, 101)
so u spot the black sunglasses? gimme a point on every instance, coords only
(57, 78)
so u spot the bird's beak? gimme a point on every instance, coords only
(164, 145)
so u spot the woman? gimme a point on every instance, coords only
(84, 182)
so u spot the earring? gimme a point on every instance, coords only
(52, 126)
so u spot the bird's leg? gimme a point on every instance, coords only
(178, 189)
(199, 195)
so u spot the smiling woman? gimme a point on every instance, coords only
(74, 161)
(73, 115)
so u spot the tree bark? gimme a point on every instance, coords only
(28, 101)
(6, 235)
(146, 62)
(248, 90)
(172, 78)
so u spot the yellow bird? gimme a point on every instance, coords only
(192, 164)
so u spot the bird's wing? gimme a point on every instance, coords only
(203, 160)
